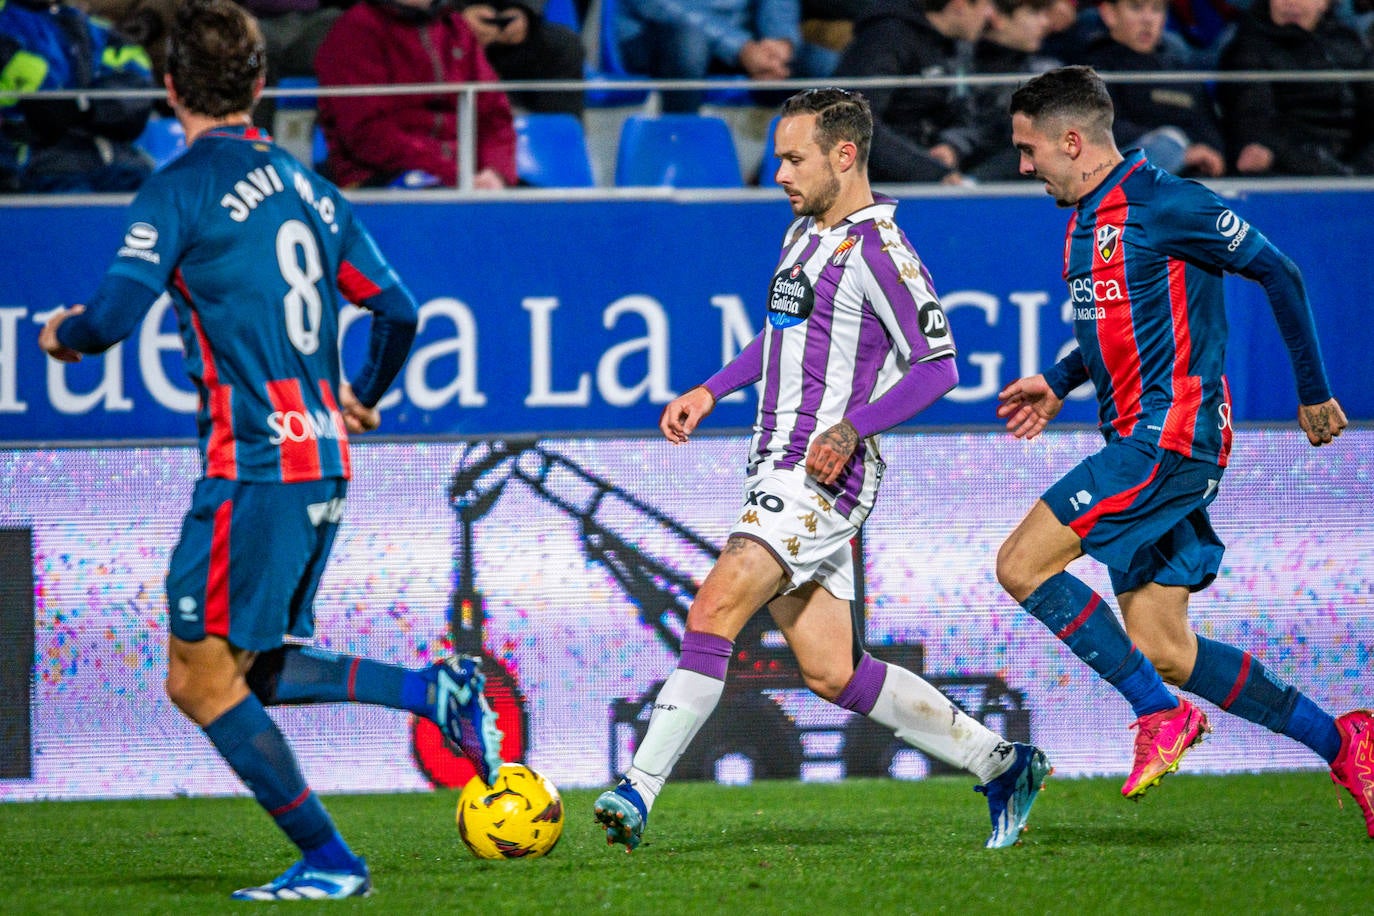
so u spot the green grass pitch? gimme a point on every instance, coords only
(1252, 844)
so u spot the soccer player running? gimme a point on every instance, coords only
(1144, 259)
(255, 251)
(855, 343)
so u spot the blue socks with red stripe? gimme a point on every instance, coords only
(1085, 623)
(299, 674)
(1238, 683)
(255, 749)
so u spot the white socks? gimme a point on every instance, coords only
(681, 708)
(929, 721)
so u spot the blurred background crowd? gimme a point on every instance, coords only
(936, 131)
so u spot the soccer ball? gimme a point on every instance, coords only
(519, 816)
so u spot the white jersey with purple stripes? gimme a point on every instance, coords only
(850, 309)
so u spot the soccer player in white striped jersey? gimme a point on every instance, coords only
(855, 343)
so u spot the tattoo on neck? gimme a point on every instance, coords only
(1102, 167)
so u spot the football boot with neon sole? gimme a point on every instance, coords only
(463, 714)
(624, 815)
(1161, 740)
(1353, 767)
(1011, 795)
(301, 882)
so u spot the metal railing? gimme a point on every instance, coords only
(466, 93)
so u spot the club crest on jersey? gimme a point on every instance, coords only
(1107, 238)
(842, 250)
(790, 297)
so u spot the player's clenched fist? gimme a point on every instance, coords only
(682, 415)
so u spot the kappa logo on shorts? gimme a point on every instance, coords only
(821, 501)
(1081, 500)
(809, 520)
(793, 545)
(750, 517)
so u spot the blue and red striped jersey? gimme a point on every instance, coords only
(1144, 258)
(256, 251)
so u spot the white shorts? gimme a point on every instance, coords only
(802, 530)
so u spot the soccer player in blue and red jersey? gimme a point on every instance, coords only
(255, 251)
(1144, 258)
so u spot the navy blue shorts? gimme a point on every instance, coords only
(250, 559)
(1142, 511)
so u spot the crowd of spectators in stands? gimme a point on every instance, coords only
(936, 132)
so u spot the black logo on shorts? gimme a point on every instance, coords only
(764, 500)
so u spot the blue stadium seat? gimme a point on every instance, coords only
(306, 100)
(319, 148)
(163, 139)
(562, 12)
(768, 166)
(609, 66)
(677, 150)
(551, 151)
(733, 90)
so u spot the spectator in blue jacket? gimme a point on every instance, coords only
(82, 144)
(682, 39)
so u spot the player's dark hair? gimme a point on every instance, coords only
(1008, 7)
(840, 115)
(215, 56)
(1073, 95)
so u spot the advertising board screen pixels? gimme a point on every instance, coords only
(582, 556)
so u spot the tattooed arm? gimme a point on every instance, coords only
(830, 452)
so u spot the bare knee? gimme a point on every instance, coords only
(1016, 573)
(827, 686)
(1039, 548)
(1172, 658)
(181, 688)
(204, 680)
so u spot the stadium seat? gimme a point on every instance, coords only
(677, 150)
(305, 100)
(163, 139)
(562, 12)
(319, 148)
(768, 165)
(607, 65)
(551, 151)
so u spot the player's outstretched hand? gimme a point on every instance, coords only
(684, 412)
(1322, 422)
(357, 418)
(830, 451)
(1028, 405)
(47, 338)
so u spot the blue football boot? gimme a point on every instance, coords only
(301, 882)
(463, 714)
(624, 815)
(1011, 795)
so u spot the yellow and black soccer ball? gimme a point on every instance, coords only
(519, 816)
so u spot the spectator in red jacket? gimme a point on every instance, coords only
(411, 139)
